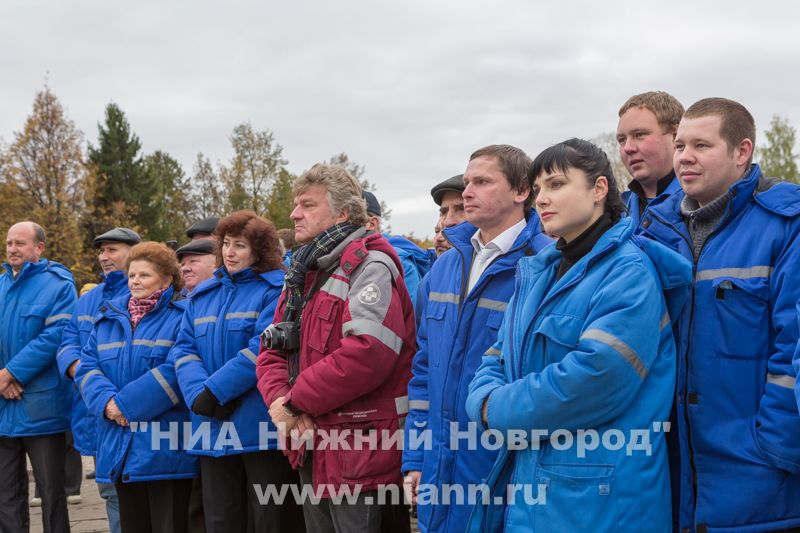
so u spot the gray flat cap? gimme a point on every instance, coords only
(455, 184)
(207, 225)
(123, 235)
(196, 247)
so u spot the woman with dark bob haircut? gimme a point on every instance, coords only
(584, 358)
(215, 359)
(128, 381)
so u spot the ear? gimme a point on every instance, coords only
(40, 246)
(744, 152)
(343, 216)
(522, 194)
(600, 189)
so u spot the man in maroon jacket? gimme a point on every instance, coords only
(344, 374)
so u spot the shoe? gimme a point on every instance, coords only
(36, 502)
(74, 499)
(90, 475)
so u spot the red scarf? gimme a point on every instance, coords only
(138, 307)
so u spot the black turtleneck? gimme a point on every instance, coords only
(661, 185)
(573, 251)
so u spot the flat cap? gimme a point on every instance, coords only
(373, 205)
(123, 235)
(455, 184)
(196, 247)
(207, 225)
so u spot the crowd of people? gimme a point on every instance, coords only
(567, 356)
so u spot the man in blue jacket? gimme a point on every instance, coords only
(462, 306)
(414, 259)
(112, 254)
(738, 424)
(645, 133)
(37, 298)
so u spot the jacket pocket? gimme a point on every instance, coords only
(33, 318)
(561, 334)
(579, 497)
(323, 321)
(434, 316)
(741, 306)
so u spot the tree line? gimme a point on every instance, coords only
(77, 190)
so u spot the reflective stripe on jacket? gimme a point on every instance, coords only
(455, 329)
(588, 354)
(217, 348)
(34, 309)
(737, 416)
(73, 339)
(131, 366)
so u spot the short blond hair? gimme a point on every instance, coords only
(343, 191)
(667, 109)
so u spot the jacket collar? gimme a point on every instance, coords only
(460, 235)
(119, 305)
(28, 268)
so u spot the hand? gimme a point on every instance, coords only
(13, 391)
(485, 412)
(206, 403)
(304, 428)
(72, 369)
(113, 413)
(411, 485)
(6, 379)
(281, 418)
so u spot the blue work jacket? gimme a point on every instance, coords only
(35, 306)
(74, 338)
(455, 328)
(131, 366)
(217, 348)
(738, 423)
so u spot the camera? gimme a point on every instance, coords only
(283, 336)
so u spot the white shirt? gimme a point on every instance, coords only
(486, 253)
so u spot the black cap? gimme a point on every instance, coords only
(196, 247)
(123, 235)
(455, 184)
(373, 205)
(207, 225)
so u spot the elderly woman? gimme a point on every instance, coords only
(585, 357)
(215, 360)
(126, 380)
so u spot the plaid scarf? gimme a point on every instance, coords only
(138, 307)
(305, 259)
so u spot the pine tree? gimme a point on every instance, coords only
(171, 202)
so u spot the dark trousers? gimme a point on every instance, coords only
(73, 469)
(46, 453)
(160, 506)
(365, 515)
(230, 501)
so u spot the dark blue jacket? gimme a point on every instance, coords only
(131, 366)
(455, 329)
(34, 309)
(738, 422)
(73, 339)
(217, 348)
(592, 351)
(632, 200)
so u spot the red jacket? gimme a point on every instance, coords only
(357, 342)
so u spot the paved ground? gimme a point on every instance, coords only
(89, 516)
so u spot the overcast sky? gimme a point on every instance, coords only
(406, 88)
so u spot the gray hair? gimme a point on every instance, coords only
(343, 190)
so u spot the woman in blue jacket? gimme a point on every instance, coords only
(584, 365)
(215, 360)
(127, 381)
